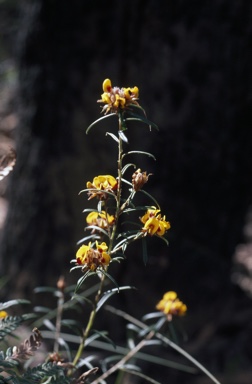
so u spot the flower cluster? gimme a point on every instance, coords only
(171, 305)
(100, 219)
(100, 185)
(154, 224)
(116, 98)
(139, 179)
(92, 258)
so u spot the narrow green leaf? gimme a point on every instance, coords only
(152, 315)
(140, 153)
(82, 279)
(113, 136)
(127, 182)
(142, 119)
(98, 120)
(110, 293)
(103, 335)
(93, 237)
(99, 229)
(45, 289)
(75, 267)
(109, 277)
(123, 136)
(151, 197)
(39, 308)
(127, 166)
(90, 210)
(10, 303)
(94, 336)
(138, 208)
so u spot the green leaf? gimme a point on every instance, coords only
(151, 197)
(90, 237)
(98, 120)
(98, 229)
(10, 324)
(123, 136)
(138, 208)
(113, 136)
(76, 267)
(45, 289)
(82, 279)
(110, 293)
(126, 182)
(127, 166)
(123, 242)
(39, 308)
(140, 153)
(45, 373)
(152, 315)
(164, 239)
(142, 119)
(10, 303)
(103, 335)
(109, 277)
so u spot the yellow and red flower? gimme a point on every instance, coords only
(170, 305)
(91, 258)
(116, 98)
(100, 185)
(154, 224)
(100, 219)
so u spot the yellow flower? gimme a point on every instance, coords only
(154, 224)
(103, 184)
(100, 219)
(91, 258)
(3, 314)
(171, 305)
(151, 212)
(116, 98)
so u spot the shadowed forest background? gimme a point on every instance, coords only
(192, 63)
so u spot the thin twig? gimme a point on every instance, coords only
(124, 360)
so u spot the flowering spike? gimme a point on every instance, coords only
(92, 258)
(154, 224)
(171, 305)
(117, 99)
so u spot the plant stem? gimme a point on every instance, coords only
(89, 324)
(119, 184)
(58, 320)
(112, 237)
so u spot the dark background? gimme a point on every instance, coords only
(192, 63)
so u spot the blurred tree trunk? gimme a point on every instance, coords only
(39, 237)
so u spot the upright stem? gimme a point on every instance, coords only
(119, 184)
(58, 320)
(89, 324)
(113, 234)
